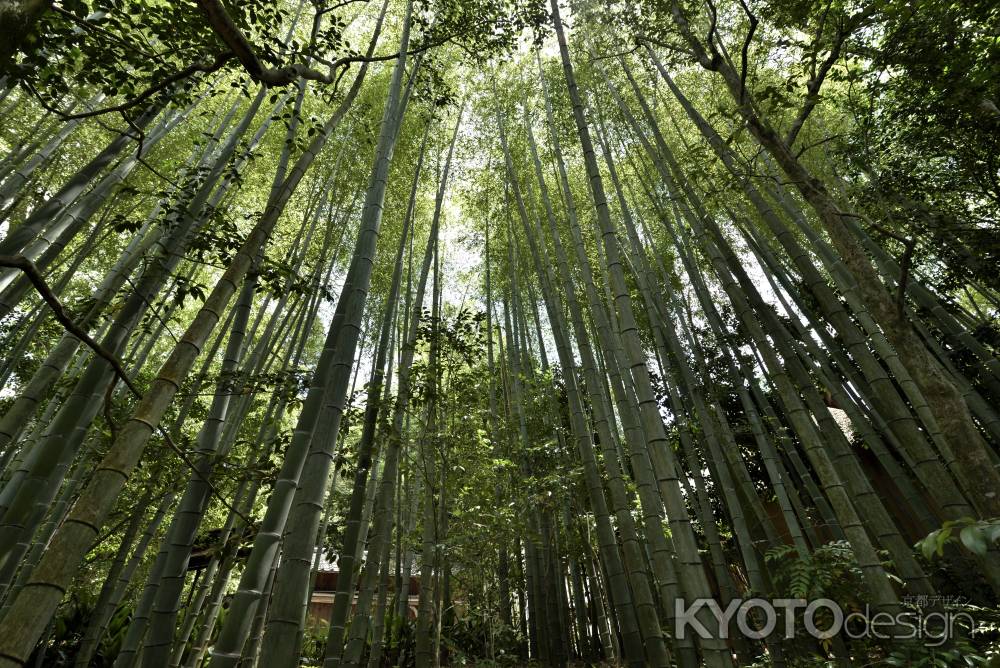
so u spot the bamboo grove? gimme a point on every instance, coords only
(483, 332)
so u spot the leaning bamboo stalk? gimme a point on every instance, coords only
(690, 566)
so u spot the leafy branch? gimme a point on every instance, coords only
(977, 536)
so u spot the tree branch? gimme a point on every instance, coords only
(710, 40)
(92, 27)
(824, 140)
(31, 271)
(884, 230)
(33, 275)
(200, 66)
(227, 30)
(320, 10)
(223, 26)
(243, 50)
(847, 27)
(645, 39)
(745, 51)
(812, 90)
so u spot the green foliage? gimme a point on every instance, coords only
(480, 639)
(313, 642)
(68, 627)
(960, 653)
(976, 536)
(829, 571)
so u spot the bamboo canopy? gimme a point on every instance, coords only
(481, 332)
